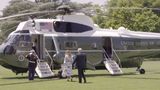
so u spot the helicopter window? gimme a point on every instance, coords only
(22, 38)
(46, 26)
(70, 45)
(94, 45)
(70, 27)
(23, 31)
(12, 39)
(19, 37)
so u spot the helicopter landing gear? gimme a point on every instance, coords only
(141, 70)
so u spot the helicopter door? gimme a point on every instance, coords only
(38, 44)
(107, 47)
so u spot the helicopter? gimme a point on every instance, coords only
(70, 31)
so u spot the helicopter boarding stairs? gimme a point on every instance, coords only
(43, 70)
(111, 65)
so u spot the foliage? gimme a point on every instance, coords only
(55, 1)
(17, 6)
(135, 15)
(47, 6)
(46, 1)
(8, 26)
(144, 20)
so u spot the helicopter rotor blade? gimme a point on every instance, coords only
(32, 13)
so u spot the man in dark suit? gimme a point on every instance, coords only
(80, 61)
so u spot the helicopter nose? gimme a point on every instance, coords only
(8, 49)
(1, 49)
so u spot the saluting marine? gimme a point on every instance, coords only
(32, 57)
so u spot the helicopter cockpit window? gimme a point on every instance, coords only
(22, 38)
(70, 45)
(70, 27)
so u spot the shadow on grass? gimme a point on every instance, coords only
(156, 72)
(125, 75)
(35, 81)
(27, 82)
(102, 75)
(142, 78)
(22, 77)
(87, 75)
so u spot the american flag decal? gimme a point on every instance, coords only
(46, 26)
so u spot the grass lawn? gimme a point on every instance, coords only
(97, 80)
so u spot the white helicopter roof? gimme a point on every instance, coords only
(79, 19)
(85, 20)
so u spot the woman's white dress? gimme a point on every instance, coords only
(67, 66)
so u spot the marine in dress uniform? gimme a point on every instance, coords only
(32, 57)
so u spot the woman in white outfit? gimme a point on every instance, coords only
(68, 59)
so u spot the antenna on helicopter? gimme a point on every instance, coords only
(65, 8)
(33, 23)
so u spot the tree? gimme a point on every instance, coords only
(132, 14)
(45, 1)
(146, 21)
(16, 6)
(7, 27)
(55, 1)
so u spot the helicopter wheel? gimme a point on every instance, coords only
(142, 71)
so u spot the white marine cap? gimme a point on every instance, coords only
(79, 49)
(32, 51)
